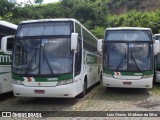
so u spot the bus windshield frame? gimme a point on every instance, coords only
(130, 54)
(43, 54)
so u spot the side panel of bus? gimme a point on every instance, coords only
(5, 65)
(157, 65)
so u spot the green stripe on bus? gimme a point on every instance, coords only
(17, 77)
(158, 66)
(129, 73)
(44, 79)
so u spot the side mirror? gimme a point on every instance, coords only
(74, 41)
(156, 47)
(4, 41)
(99, 45)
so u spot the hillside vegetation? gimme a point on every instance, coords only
(123, 6)
(95, 15)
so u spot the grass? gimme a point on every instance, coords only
(156, 89)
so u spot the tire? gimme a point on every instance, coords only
(83, 93)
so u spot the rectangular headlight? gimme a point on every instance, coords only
(108, 75)
(19, 82)
(64, 82)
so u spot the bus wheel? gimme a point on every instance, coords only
(83, 93)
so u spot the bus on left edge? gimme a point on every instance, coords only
(7, 32)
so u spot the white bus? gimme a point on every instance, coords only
(6, 44)
(157, 60)
(54, 58)
(129, 57)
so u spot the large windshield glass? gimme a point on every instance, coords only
(128, 56)
(158, 61)
(43, 49)
(158, 37)
(46, 56)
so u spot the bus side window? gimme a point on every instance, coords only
(10, 42)
(0, 40)
(79, 51)
(78, 58)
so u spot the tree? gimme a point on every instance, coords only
(38, 1)
(6, 8)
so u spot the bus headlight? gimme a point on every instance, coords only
(64, 82)
(19, 82)
(147, 76)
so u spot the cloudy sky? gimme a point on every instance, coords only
(44, 1)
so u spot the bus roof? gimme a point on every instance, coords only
(128, 28)
(49, 20)
(156, 34)
(8, 24)
(7, 28)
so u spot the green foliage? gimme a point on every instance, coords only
(99, 32)
(6, 8)
(137, 19)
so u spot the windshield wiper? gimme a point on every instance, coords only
(47, 61)
(27, 50)
(121, 61)
(133, 58)
(29, 65)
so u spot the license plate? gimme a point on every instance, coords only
(127, 83)
(39, 91)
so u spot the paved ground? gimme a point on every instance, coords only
(97, 99)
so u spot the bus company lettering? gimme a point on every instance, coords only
(138, 74)
(133, 45)
(5, 59)
(52, 79)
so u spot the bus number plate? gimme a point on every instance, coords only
(127, 83)
(39, 91)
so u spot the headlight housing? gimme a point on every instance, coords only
(19, 82)
(64, 82)
(108, 75)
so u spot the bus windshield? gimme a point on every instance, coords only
(128, 56)
(43, 55)
(128, 50)
(157, 37)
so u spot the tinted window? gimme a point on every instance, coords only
(42, 29)
(78, 56)
(10, 43)
(90, 43)
(128, 35)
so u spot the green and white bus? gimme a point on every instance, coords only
(157, 60)
(7, 31)
(55, 58)
(128, 54)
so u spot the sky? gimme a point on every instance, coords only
(44, 1)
